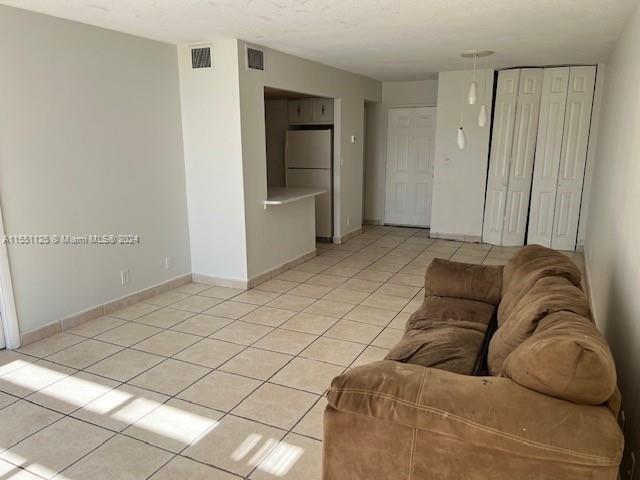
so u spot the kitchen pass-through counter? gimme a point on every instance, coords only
(283, 195)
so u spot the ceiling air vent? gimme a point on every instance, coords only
(255, 58)
(200, 57)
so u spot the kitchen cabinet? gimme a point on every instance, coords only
(311, 111)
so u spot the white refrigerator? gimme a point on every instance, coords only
(309, 164)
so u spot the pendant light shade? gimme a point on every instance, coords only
(462, 140)
(473, 93)
(482, 116)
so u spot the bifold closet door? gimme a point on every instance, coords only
(548, 151)
(563, 204)
(522, 156)
(512, 155)
(502, 140)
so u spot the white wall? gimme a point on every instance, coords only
(279, 234)
(460, 176)
(276, 125)
(419, 93)
(394, 94)
(213, 162)
(90, 143)
(613, 227)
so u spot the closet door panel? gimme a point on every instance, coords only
(522, 156)
(547, 158)
(575, 140)
(501, 145)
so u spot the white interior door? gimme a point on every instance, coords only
(501, 143)
(522, 155)
(548, 151)
(575, 139)
(410, 152)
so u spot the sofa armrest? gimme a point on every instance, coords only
(481, 411)
(482, 283)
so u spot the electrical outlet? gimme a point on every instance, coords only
(125, 277)
(167, 263)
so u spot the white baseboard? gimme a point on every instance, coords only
(347, 236)
(219, 281)
(71, 321)
(256, 279)
(456, 236)
(373, 222)
(275, 271)
(75, 319)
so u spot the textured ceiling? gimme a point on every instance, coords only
(383, 39)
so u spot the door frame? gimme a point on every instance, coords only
(7, 301)
(384, 146)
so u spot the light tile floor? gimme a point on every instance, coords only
(210, 382)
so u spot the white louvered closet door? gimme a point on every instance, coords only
(522, 156)
(575, 139)
(548, 151)
(501, 144)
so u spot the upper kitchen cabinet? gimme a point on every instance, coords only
(323, 110)
(311, 111)
(300, 111)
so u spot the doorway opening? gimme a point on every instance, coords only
(299, 140)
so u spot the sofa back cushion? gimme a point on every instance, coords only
(566, 357)
(547, 295)
(449, 310)
(526, 267)
(481, 283)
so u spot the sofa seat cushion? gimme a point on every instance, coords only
(548, 295)
(566, 357)
(446, 309)
(451, 346)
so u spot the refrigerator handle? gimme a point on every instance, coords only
(286, 159)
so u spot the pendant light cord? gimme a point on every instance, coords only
(464, 87)
(475, 59)
(484, 81)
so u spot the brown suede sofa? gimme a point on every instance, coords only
(545, 406)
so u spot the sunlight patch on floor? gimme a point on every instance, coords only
(274, 457)
(162, 419)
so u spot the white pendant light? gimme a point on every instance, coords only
(462, 140)
(472, 98)
(482, 116)
(473, 93)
